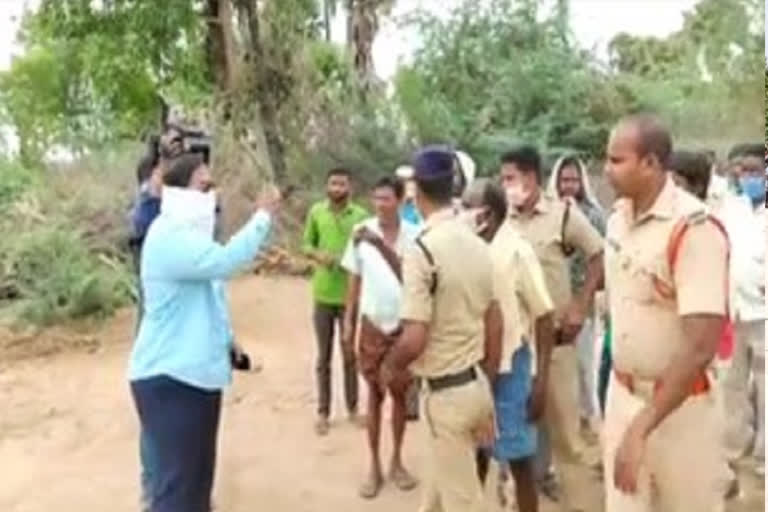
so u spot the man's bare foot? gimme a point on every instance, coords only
(322, 426)
(371, 487)
(402, 479)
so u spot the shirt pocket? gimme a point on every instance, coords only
(650, 281)
(550, 251)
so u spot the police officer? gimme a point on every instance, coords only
(556, 229)
(662, 434)
(451, 337)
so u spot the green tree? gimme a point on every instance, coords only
(93, 74)
(491, 74)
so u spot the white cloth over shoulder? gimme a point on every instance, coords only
(380, 290)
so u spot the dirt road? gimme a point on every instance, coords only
(68, 430)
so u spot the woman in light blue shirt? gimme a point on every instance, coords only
(180, 360)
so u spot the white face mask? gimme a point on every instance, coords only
(192, 208)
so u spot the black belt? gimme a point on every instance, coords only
(453, 380)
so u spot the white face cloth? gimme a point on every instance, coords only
(190, 208)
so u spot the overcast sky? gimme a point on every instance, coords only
(594, 23)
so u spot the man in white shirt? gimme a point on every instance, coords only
(745, 217)
(373, 261)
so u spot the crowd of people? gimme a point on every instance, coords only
(518, 320)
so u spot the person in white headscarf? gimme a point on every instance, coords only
(570, 179)
(463, 178)
(408, 210)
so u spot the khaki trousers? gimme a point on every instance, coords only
(561, 424)
(452, 416)
(684, 464)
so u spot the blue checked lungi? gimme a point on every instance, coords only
(516, 436)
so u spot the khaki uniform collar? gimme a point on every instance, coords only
(543, 204)
(439, 216)
(663, 207)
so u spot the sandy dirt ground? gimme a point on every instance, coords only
(68, 430)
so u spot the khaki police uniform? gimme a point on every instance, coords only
(451, 294)
(683, 466)
(520, 288)
(544, 230)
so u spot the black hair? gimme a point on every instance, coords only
(495, 198)
(393, 184)
(181, 169)
(695, 168)
(438, 190)
(753, 149)
(653, 138)
(526, 158)
(338, 171)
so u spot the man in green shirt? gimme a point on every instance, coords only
(328, 228)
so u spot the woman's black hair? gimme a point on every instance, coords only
(181, 169)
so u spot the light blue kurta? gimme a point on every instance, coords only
(185, 332)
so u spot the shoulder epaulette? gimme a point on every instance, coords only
(697, 217)
(430, 259)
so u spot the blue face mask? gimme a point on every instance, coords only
(753, 187)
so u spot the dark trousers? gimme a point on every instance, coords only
(181, 423)
(328, 322)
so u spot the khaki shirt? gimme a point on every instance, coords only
(456, 311)
(520, 288)
(647, 328)
(543, 230)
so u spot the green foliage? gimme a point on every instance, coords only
(493, 74)
(57, 278)
(489, 75)
(15, 179)
(92, 74)
(63, 249)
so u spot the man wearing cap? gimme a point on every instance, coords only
(410, 214)
(556, 229)
(451, 338)
(408, 210)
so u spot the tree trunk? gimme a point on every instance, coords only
(266, 130)
(327, 19)
(217, 44)
(362, 25)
